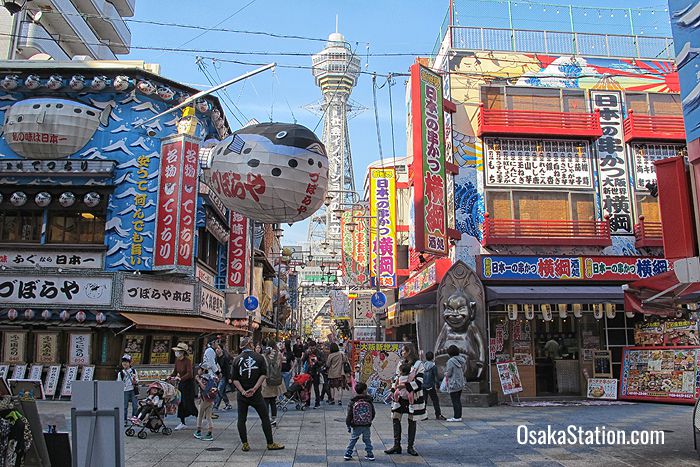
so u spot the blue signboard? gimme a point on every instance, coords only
(685, 23)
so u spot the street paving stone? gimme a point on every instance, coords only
(487, 437)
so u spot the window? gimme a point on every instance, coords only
(540, 205)
(74, 227)
(637, 103)
(534, 99)
(582, 206)
(498, 205)
(648, 207)
(21, 226)
(208, 249)
(493, 98)
(574, 101)
(665, 104)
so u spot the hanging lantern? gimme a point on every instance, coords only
(64, 315)
(512, 309)
(577, 308)
(29, 314)
(227, 321)
(598, 310)
(42, 199)
(563, 308)
(629, 314)
(100, 318)
(80, 316)
(18, 199)
(610, 310)
(66, 199)
(529, 311)
(546, 310)
(46, 314)
(12, 314)
(92, 199)
(271, 172)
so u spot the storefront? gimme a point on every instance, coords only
(551, 314)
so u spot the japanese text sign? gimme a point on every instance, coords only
(79, 349)
(354, 245)
(177, 203)
(428, 160)
(601, 268)
(55, 290)
(14, 347)
(615, 196)
(46, 347)
(645, 154)
(429, 276)
(383, 226)
(30, 259)
(158, 295)
(211, 302)
(236, 276)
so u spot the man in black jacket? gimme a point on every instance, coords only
(359, 421)
(223, 359)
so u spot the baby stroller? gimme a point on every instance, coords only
(170, 397)
(298, 393)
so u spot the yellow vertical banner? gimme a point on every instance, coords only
(382, 195)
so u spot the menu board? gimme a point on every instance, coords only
(133, 345)
(669, 333)
(669, 374)
(602, 388)
(160, 351)
(510, 378)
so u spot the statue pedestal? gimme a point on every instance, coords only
(472, 396)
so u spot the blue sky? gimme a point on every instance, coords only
(386, 26)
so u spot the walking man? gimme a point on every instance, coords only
(249, 373)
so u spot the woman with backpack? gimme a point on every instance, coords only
(336, 364)
(415, 409)
(131, 383)
(273, 387)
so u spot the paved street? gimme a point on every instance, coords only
(487, 437)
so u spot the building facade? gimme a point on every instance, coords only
(109, 240)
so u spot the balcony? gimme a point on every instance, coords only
(659, 128)
(34, 40)
(533, 123)
(648, 234)
(538, 232)
(107, 23)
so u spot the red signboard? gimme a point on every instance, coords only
(428, 137)
(237, 252)
(188, 205)
(171, 155)
(429, 276)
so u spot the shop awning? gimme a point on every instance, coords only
(178, 323)
(660, 295)
(504, 294)
(422, 300)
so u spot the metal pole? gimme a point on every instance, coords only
(510, 22)
(277, 308)
(206, 92)
(251, 222)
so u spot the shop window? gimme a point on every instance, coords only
(583, 207)
(638, 103)
(76, 227)
(665, 104)
(493, 97)
(533, 205)
(574, 101)
(498, 205)
(648, 207)
(208, 249)
(534, 99)
(21, 226)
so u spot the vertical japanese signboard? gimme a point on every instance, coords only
(237, 252)
(347, 247)
(428, 161)
(46, 347)
(188, 205)
(686, 40)
(79, 349)
(15, 347)
(360, 245)
(615, 196)
(177, 203)
(383, 226)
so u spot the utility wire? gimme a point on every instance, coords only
(225, 91)
(202, 68)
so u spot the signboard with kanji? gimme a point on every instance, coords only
(383, 226)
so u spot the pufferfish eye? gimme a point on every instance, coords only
(281, 134)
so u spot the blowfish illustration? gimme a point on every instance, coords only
(55, 82)
(10, 82)
(77, 83)
(32, 82)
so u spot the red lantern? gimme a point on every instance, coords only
(64, 315)
(80, 316)
(28, 314)
(46, 314)
(12, 314)
(100, 318)
(228, 322)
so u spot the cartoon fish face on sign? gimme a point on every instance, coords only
(99, 83)
(10, 82)
(77, 83)
(55, 82)
(271, 172)
(121, 83)
(32, 82)
(146, 87)
(165, 93)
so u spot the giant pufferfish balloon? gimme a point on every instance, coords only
(270, 172)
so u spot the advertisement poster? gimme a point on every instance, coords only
(665, 374)
(51, 383)
(595, 268)
(160, 351)
(602, 388)
(79, 349)
(46, 347)
(510, 378)
(602, 364)
(364, 333)
(681, 332)
(14, 346)
(649, 333)
(238, 251)
(24, 259)
(70, 375)
(378, 362)
(382, 197)
(363, 313)
(133, 345)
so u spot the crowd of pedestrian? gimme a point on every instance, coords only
(262, 372)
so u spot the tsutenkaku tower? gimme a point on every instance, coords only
(335, 70)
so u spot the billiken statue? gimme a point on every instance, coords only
(460, 329)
